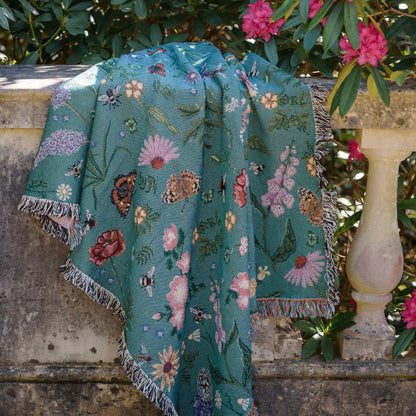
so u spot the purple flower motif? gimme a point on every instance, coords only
(55, 117)
(59, 96)
(192, 77)
(146, 328)
(110, 280)
(65, 118)
(60, 142)
(159, 333)
(277, 187)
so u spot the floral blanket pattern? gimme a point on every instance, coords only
(189, 188)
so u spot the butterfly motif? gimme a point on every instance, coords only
(121, 195)
(162, 50)
(183, 188)
(158, 69)
(310, 205)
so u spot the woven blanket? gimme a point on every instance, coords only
(189, 188)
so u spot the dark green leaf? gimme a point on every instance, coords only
(333, 26)
(305, 326)
(176, 37)
(288, 246)
(155, 34)
(294, 21)
(320, 15)
(310, 346)
(298, 56)
(84, 5)
(351, 23)
(350, 90)
(406, 221)
(403, 341)
(320, 65)
(4, 23)
(349, 222)
(27, 6)
(175, 20)
(304, 10)
(117, 45)
(340, 321)
(407, 204)
(140, 8)
(311, 37)
(212, 18)
(31, 58)
(327, 348)
(381, 86)
(216, 373)
(117, 2)
(300, 31)
(271, 51)
(399, 26)
(143, 39)
(282, 10)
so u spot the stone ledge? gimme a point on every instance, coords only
(313, 369)
(25, 92)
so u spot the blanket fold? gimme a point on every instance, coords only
(189, 188)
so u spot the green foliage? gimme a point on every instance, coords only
(321, 333)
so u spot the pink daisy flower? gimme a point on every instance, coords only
(307, 269)
(157, 152)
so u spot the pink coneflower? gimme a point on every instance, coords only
(307, 269)
(157, 152)
(409, 311)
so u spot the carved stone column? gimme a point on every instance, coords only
(375, 259)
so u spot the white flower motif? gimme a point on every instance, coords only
(218, 400)
(64, 192)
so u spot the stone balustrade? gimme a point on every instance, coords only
(46, 321)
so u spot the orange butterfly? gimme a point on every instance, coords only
(121, 195)
(183, 188)
(310, 205)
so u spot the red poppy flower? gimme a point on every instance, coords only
(240, 189)
(109, 244)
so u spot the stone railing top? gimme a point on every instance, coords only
(25, 92)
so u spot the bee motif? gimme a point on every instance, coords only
(111, 97)
(89, 221)
(75, 170)
(144, 357)
(200, 315)
(222, 187)
(147, 281)
(257, 169)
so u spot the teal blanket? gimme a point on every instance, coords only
(189, 188)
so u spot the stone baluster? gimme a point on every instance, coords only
(375, 259)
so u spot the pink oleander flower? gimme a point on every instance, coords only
(314, 7)
(355, 152)
(184, 262)
(170, 238)
(256, 22)
(156, 152)
(241, 285)
(307, 269)
(373, 46)
(243, 245)
(409, 311)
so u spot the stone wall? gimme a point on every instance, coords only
(58, 348)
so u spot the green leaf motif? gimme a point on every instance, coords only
(216, 373)
(190, 111)
(188, 359)
(246, 376)
(256, 143)
(196, 130)
(143, 255)
(256, 204)
(147, 183)
(231, 338)
(288, 246)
